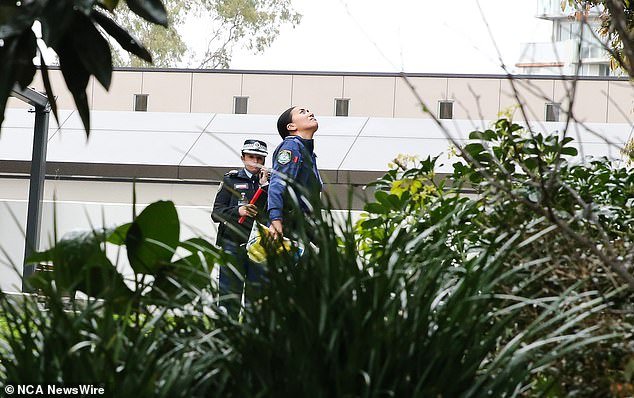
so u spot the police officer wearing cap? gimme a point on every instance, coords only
(232, 202)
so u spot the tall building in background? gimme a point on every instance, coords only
(574, 40)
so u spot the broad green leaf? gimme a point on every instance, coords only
(376, 208)
(127, 41)
(532, 162)
(76, 77)
(79, 263)
(16, 19)
(566, 140)
(460, 168)
(153, 237)
(117, 235)
(7, 52)
(428, 165)
(93, 50)
(502, 124)
(101, 280)
(474, 149)
(570, 151)
(56, 18)
(17, 65)
(515, 127)
(150, 10)
(394, 201)
(475, 135)
(175, 283)
(372, 223)
(475, 178)
(381, 196)
(487, 135)
(490, 135)
(26, 51)
(48, 87)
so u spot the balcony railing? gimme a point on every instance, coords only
(553, 9)
(547, 52)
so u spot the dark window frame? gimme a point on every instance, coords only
(552, 111)
(240, 105)
(342, 107)
(140, 102)
(445, 106)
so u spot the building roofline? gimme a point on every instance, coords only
(367, 74)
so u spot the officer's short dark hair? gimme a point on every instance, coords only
(283, 121)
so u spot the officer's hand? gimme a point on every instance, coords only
(275, 229)
(248, 210)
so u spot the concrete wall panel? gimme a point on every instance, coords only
(532, 94)
(370, 95)
(621, 102)
(591, 101)
(474, 98)
(268, 94)
(431, 90)
(120, 96)
(318, 93)
(214, 92)
(168, 91)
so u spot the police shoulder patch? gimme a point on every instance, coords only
(284, 156)
(231, 173)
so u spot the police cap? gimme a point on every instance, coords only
(255, 147)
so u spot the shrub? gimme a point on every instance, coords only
(432, 293)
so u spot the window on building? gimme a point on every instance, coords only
(140, 102)
(604, 70)
(552, 111)
(585, 51)
(575, 30)
(445, 109)
(240, 105)
(587, 33)
(585, 70)
(563, 31)
(341, 106)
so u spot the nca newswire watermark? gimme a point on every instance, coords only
(53, 389)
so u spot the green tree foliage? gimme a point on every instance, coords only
(251, 24)
(164, 43)
(573, 221)
(76, 30)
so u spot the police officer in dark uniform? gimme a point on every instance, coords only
(294, 166)
(232, 202)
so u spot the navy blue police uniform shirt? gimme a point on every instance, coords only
(225, 211)
(293, 159)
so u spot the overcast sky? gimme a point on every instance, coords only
(417, 36)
